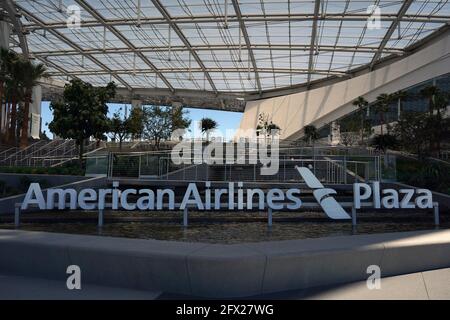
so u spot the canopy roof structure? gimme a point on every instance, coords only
(217, 53)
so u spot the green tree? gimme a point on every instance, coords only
(311, 134)
(136, 122)
(119, 128)
(82, 112)
(206, 125)
(382, 107)
(412, 131)
(431, 93)
(6, 60)
(161, 121)
(438, 123)
(362, 105)
(124, 128)
(14, 91)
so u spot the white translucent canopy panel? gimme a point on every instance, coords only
(186, 80)
(268, 80)
(279, 32)
(177, 8)
(99, 79)
(143, 80)
(343, 61)
(352, 33)
(278, 59)
(150, 35)
(74, 63)
(50, 11)
(411, 32)
(234, 81)
(318, 76)
(323, 60)
(373, 37)
(362, 6)
(285, 79)
(433, 7)
(40, 40)
(276, 6)
(178, 60)
(92, 38)
(211, 33)
(300, 59)
(213, 59)
(263, 58)
(119, 9)
(121, 61)
(329, 31)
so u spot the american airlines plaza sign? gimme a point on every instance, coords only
(253, 198)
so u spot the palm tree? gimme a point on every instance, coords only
(400, 96)
(361, 103)
(430, 93)
(311, 134)
(7, 58)
(31, 75)
(14, 87)
(382, 106)
(437, 101)
(206, 125)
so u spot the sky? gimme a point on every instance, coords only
(226, 120)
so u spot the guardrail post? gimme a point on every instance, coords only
(185, 217)
(17, 215)
(269, 217)
(100, 218)
(353, 216)
(436, 213)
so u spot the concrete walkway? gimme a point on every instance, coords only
(428, 285)
(25, 288)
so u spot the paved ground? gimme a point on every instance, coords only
(429, 285)
(17, 288)
(423, 285)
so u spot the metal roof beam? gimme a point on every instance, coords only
(67, 41)
(14, 16)
(405, 6)
(278, 47)
(119, 35)
(183, 38)
(313, 40)
(243, 28)
(248, 18)
(199, 70)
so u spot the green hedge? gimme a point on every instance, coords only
(425, 174)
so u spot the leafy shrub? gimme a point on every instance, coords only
(426, 174)
(384, 142)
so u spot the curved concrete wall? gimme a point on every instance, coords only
(323, 105)
(213, 270)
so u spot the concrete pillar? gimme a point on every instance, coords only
(5, 31)
(35, 113)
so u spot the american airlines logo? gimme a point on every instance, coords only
(323, 195)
